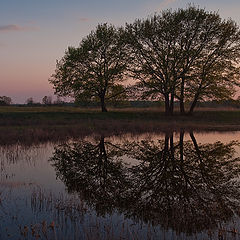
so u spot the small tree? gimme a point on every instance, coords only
(47, 100)
(4, 100)
(90, 71)
(58, 101)
(30, 101)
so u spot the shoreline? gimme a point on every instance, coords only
(56, 124)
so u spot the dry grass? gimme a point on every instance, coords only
(41, 124)
(12, 109)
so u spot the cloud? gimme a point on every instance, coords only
(82, 19)
(15, 28)
(165, 3)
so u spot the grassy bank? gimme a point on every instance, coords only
(66, 116)
(45, 123)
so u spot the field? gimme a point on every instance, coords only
(43, 123)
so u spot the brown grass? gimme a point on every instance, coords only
(41, 124)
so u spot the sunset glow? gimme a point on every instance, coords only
(34, 34)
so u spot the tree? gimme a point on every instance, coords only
(47, 100)
(4, 100)
(215, 73)
(186, 54)
(93, 170)
(59, 101)
(30, 101)
(90, 71)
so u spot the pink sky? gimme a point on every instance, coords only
(34, 34)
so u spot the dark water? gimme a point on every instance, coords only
(166, 186)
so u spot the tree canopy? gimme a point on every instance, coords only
(4, 100)
(94, 70)
(179, 56)
(186, 54)
(47, 100)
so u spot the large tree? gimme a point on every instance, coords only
(92, 71)
(186, 54)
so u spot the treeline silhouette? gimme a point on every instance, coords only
(132, 104)
(181, 56)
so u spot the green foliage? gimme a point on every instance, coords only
(93, 69)
(188, 54)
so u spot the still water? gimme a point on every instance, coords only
(181, 185)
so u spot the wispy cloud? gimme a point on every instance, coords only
(15, 28)
(165, 3)
(83, 19)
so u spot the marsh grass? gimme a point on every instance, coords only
(25, 116)
(36, 131)
(69, 218)
(41, 124)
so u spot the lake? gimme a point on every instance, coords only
(182, 185)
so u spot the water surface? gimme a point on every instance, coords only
(151, 186)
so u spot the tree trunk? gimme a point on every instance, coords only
(102, 149)
(172, 148)
(102, 161)
(196, 146)
(103, 106)
(181, 145)
(182, 109)
(167, 106)
(166, 144)
(194, 103)
(171, 107)
(196, 97)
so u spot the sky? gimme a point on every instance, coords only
(34, 34)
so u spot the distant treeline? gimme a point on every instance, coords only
(137, 104)
(146, 104)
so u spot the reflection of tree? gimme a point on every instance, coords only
(93, 171)
(183, 185)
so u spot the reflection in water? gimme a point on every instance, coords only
(186, 186)
(92, 170)
(180, 184)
